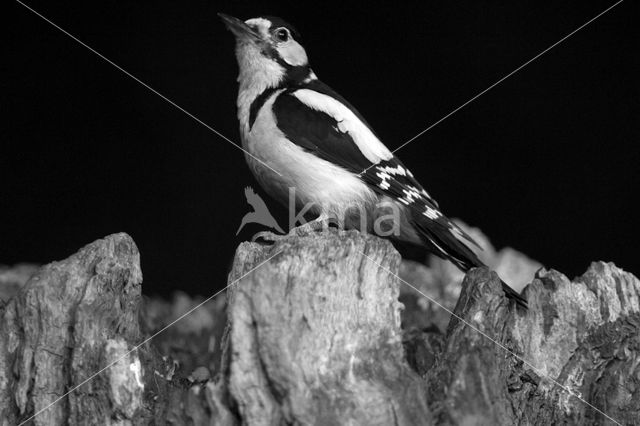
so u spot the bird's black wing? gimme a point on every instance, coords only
(321, 122)
(316, 126)
(318, 132)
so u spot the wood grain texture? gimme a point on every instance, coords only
(317, 336)
(68, 320)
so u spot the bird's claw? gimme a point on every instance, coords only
(314, 227)
(273, 237)
(268, 236)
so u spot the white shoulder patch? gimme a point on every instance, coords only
(348, 122)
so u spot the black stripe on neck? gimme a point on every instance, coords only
(294, 77)
(257, 104)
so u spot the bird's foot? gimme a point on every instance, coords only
(268, 236)
(310, 228)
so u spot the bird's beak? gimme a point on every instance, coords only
(239, 28)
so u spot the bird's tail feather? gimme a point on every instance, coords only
(441, 237)
(514, 295)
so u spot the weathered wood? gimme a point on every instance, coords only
(315, 338)
(65, 324)
(316, 335)
(83, 316)
(473, 374)
(576, 352)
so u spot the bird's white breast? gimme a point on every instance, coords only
(315, 180)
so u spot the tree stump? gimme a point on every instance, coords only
(70, 320)
(314, 333)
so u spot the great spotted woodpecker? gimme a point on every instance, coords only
(301, 134)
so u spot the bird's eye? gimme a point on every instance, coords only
(282, 34)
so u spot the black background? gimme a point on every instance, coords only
(545, 162)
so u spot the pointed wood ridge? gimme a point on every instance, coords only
(577, 348)
(316, 335)
(323, 311)
(66, 323)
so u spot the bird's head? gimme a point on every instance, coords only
(269, 52)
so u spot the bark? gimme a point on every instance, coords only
(69, 320)
(314, 335)
(322, 329)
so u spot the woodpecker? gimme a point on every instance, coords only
(299, 133)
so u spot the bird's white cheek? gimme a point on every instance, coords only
(293, 54)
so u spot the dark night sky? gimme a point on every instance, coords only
(547, 162)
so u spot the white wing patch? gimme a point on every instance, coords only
(395, 171)
(348, 122)
(421, 191)
(432, 213)
(411, 195)
(386, 174)
(384, 183)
